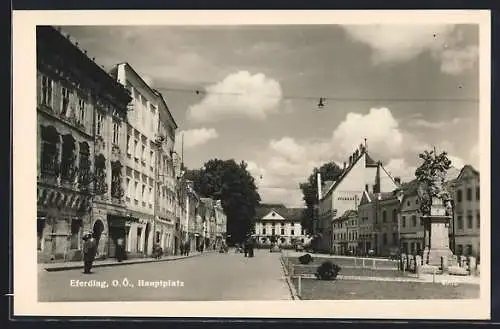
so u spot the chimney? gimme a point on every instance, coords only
(397, 180)
(319, 186)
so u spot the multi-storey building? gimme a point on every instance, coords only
(221, 224)
(166, 193)
(362, 173)
(280, 223)
(80, 110)
(192, 212)
(339, 233)
(143, 144)
(464, 231)
(411, 224)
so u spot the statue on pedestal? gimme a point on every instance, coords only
(434, 205)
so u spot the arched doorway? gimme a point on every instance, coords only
(97, 230)
(146, 238)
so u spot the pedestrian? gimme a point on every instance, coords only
(88, 252)
(245, 247)
(182, 248)
(120, 249)
(251, 247)
(187, 247)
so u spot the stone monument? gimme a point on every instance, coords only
(434, 206)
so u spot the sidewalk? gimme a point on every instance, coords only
(51, 267)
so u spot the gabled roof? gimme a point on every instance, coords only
(369, 162)
(293, 214)
(467, 168)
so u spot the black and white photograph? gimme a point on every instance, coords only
(217, 160)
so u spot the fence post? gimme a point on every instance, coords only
(299, 292)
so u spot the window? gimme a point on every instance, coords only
(157, 239)
(129, 147)
(116, 133)
(273, 232)
(469, 194)
(421, 221)
(68, 158)
(460, 223)
(81, 111)
(99, 124)
(459, 196)
(395, 239)
(292, 232)
(282, 231)
(408, 203)
(413, 221)
(403, 221)
(264, 231)
(469, 221)
(143, 152)
(477, 193)
(384, 216)
(478, 223)
(394, 216)
(116, 180)
(65, 101)
(47, 91)
(152, 159)
(50, 141)
(84, 179)
(384, 239)
(143, 194)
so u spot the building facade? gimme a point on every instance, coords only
(220, 224)
(80, 110)
(360, 174)
(464, 231)
(142, 162)
(276, 223)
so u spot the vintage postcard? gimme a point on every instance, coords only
(328, 164)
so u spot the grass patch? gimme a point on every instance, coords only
(349, 290)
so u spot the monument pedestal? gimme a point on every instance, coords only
(436, 235)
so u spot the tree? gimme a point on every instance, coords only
(431, 176)
(231, 183)
(329, 171)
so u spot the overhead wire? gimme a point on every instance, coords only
(321, 99)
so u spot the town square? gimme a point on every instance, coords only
(223, 163)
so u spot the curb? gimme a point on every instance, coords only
(75, 267)
(291, 287)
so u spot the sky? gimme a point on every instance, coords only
(251, 93)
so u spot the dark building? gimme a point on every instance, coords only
(74, 166)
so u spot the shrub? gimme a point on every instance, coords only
(327, 271)
(305, 259)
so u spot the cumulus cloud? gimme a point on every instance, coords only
(398, 167)
(240, 94)
(197, 137)
(289, 161)
(379, 127)
(400, 43)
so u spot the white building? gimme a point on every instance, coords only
(280, 223)
(361, 174)
(141, 162)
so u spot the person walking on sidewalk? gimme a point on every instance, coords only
(89, 250)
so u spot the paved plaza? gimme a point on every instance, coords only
(206, 277)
